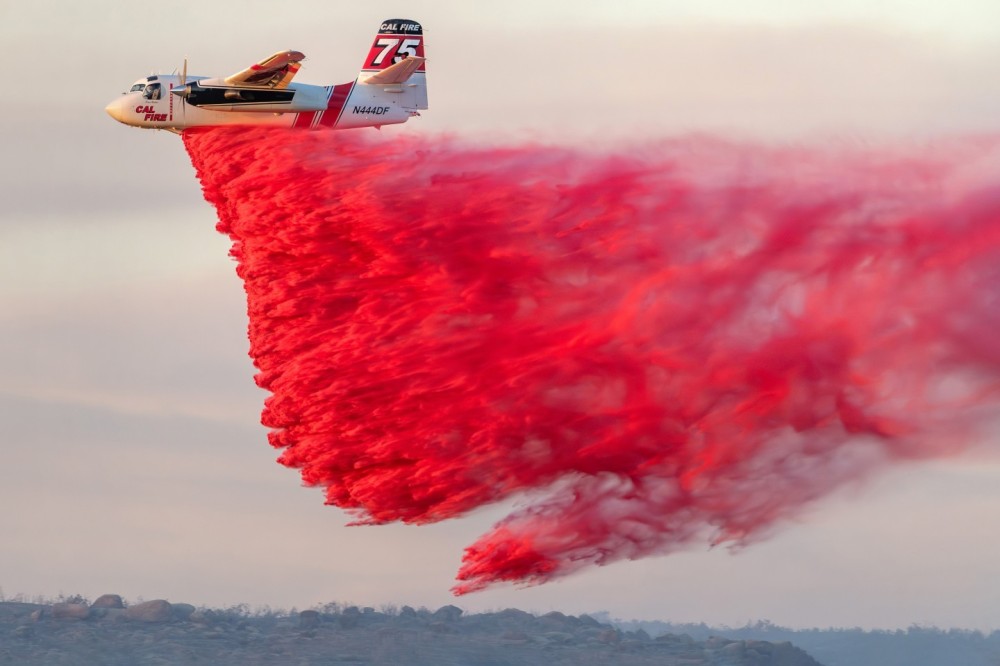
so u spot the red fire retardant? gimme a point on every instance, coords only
(689, 341)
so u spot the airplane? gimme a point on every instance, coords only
(391, 88)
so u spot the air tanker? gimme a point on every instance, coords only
(391, 89)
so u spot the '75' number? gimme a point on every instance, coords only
(407, 49)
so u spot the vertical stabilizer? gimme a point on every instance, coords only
(398, 40)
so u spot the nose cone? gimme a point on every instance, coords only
(116, 109)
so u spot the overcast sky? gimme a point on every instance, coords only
(132, 459)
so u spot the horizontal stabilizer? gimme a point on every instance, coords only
(397, 73)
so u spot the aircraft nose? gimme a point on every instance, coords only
(116, 110)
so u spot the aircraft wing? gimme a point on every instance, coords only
(274, 72)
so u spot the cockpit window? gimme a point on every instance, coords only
(152, 91)
(138, 86)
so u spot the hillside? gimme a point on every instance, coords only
(915, 646)
(109, 633)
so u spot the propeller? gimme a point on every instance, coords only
(182, 90)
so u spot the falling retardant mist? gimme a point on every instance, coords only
(687, 342)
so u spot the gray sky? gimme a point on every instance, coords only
(133, 461)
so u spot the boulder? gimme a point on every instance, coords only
(786, 654)
(514, 615)
(183, 611)
(157, 610)
(70, 611)
(592, 634)
(113, 614)
(448, 613)
(350, 617)
(308, 619)
(108, 601)
(734, 650)
(555, 618)
(610, 636)
(558, 637)
(640, 635)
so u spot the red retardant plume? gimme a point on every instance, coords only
(689, 341)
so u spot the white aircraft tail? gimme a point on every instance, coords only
(396, 64)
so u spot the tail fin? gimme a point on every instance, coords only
(397, 41)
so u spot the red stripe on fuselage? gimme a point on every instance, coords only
(304, 120)
(336, 104)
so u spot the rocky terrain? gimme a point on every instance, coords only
(110, 633)
(913, 646)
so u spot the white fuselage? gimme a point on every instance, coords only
(151, 103)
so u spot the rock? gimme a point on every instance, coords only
(786, 654)
(183, 611)
(113, 614)
(108, 601)
(610, 636)
(70, 611)
(734, 650)
(308, 619)
(350, 617)
(448, 613)
(515, 615)
(556, 621)
(36, 616)
(591, 634)
(558, 637)
(716, 642)
(157, 610)
(23, 632)
(202, 616)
